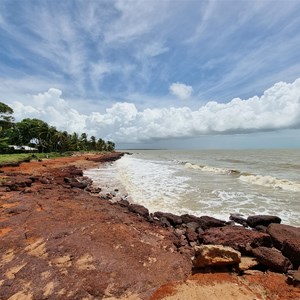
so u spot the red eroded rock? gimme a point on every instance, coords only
(291, 249)
(280, 232)
(272, 258)
(237, 237)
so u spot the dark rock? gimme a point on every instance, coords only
(264, 220)
(280, 232)
(123, 203)
(294, 277)
(237, 237)
(164, 222)
(291, 249)
(208, 222)
(174, 220)
(68, 180)
(193, 226)
(204, 222)
(237, 218)
(186, 218)
(80, 185)
(261, 228)
(191, 235)
(272, 258)
(76, 172)
(139, 209)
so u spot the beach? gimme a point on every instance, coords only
(62, 238)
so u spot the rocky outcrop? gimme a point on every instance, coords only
(174, 220)
(263, 220)
(273, 259)
(237, 237)
(139, 210)
(215, 255)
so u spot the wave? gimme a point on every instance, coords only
(211, 169)
(270, 181)
(267, 181)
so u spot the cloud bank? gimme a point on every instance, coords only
(278, 108)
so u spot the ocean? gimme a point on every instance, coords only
(208, 182)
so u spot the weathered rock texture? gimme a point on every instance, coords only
(237, 237)
(215, 255)
(272, 258)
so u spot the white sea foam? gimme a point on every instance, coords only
(151, 183)
(210, 169)
(272, 182)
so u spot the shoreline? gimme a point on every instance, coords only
(60, 240)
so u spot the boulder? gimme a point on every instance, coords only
(80, 185)
(237, 218)
(291, 249)
(215, 255)
(139, 209)
(191, 235)
(272, 258)
(174, 220)
(204, 222)
(280, 232)
(264, 220)
(237, 237)
(193, 226)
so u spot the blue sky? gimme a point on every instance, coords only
(156, 73)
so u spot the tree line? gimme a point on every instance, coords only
(45, 138)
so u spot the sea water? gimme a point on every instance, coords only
(208, 182)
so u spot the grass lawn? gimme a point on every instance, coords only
(18, 157)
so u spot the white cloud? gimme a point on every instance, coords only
(181, 90)
(278, 108)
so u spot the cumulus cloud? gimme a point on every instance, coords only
(181, 90)
(278, 108)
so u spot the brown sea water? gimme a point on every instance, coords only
(209, 182)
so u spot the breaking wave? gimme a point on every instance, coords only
(267, 181)
(270, 181)
(211, 169)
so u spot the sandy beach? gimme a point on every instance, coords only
(60, 240)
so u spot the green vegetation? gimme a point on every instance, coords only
(44, 138)
(19, 157)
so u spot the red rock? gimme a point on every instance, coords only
(272, 258)
(204, 222)
(291, 249)
(279, 233)
(237, 237)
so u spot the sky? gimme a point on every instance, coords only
(156, 73)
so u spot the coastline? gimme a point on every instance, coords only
(60, 240)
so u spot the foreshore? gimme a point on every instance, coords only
(61, 239)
